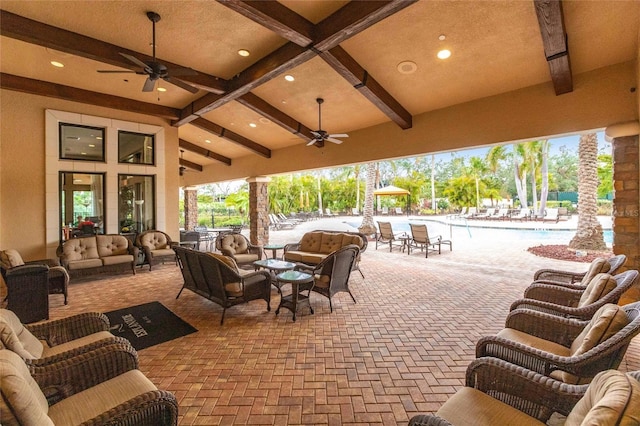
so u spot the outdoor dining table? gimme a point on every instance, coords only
(214, 233)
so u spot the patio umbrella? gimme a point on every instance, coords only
(394, 190)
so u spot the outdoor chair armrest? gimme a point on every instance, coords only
(310, 269)
(72, 375)
(554, 294)
(252, 274)
(108, 341)
(428, 420)
(70, 328)
(48, 262)
(153, 407)
(560, 284)
(545, 326)
(557, 275)
(291, 246)
(255, 249)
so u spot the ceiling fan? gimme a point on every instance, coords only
(155, 70)
(182, 168)
(321, 135)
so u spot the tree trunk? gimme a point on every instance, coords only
(589, 235)
(544, 171)
(368, 227)
(521, 184)
(434, 205)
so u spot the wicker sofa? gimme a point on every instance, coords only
(101, 253)
(315, 246)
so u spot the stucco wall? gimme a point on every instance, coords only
(22, 168)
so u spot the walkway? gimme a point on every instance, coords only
(401, 350)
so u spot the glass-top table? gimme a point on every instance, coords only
(274, 266)
(296, 300)
(274, 248)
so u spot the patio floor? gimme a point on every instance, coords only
(401, 350)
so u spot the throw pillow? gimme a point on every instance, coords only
(10, 259)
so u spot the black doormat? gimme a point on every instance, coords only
(148, 324)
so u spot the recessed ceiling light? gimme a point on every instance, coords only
(442, 37)
(162, 89)
(207, 141)
(407, 67)
(243, 52)
(253, 125)
(284, 101)
(289, 77)
(444, 54)
(264, 120)
(57, 64)
(92, 145)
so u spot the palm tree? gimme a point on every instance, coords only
(368, 227)
(516, 156)
(589, 235)
(477, 169)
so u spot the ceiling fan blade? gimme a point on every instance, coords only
(116, 72)
(339, 135)
(138, 62)
(311, 142)
(316, 134)
(181, 71)
(148, 85)
(180, 84)
(336, 141)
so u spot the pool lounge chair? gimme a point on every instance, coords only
(386, 236)
(501, 214)
(420, 239)
(522, 215)
(551, 215)
(457, 215)
(470, 213)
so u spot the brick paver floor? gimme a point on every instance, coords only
(402, 349)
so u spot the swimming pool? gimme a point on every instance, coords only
(456, 231)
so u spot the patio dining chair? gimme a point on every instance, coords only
(387, 236)
(420, 239)
(574, 303)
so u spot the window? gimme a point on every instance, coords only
(81, 142)
(136, 210)
(136, 148)
(82, 200)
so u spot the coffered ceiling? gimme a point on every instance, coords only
(348, 53)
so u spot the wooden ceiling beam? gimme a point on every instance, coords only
(203, 151)
(554, 40)
(353, 18)
(190, 164)
(351, 71)
(34, 32)
(276, 17)
(221, 132)
(285, 121)
(53, 90)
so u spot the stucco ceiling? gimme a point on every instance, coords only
(496, 48)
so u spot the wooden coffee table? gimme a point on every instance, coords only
(300, 281)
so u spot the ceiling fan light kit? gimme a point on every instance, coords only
(155, 70)
(320, 136)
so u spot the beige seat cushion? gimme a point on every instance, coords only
(469, 406)
(163, 252)
(96, 400)
(305, 257)
(117, 259)
(10, 259)
(321, 281)
(21, 392)
(599, 286)
(15, 337)
(84, 264)
(534, 342)
(613, 398)
(232, 289)
(598, 266)
(76, 343)
(244, 258)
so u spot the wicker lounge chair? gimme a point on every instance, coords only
(217, 278)
(579, 279)
(420, 239)
(566, 349)
(387, 236)
(238, 247)
(331, 276)
(157, 247)
(103, 386)
(578, 303)
(46, 342)
(499, 393)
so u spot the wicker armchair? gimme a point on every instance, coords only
(500, 393)
(217, 278)
(99, 387)
(565, 348)
(574, 303)
(50, 341)
(157, 247)
(58, 276)
(331, 276)
(238, 247)
(579, 279)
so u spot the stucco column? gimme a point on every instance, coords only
(259, 209)
(190, 208)
(626, 200)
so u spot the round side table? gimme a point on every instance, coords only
(300, 281)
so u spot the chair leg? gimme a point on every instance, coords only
(354, 299)
(180, 292)
(224, 310)
(330, 305)
(361, 273)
